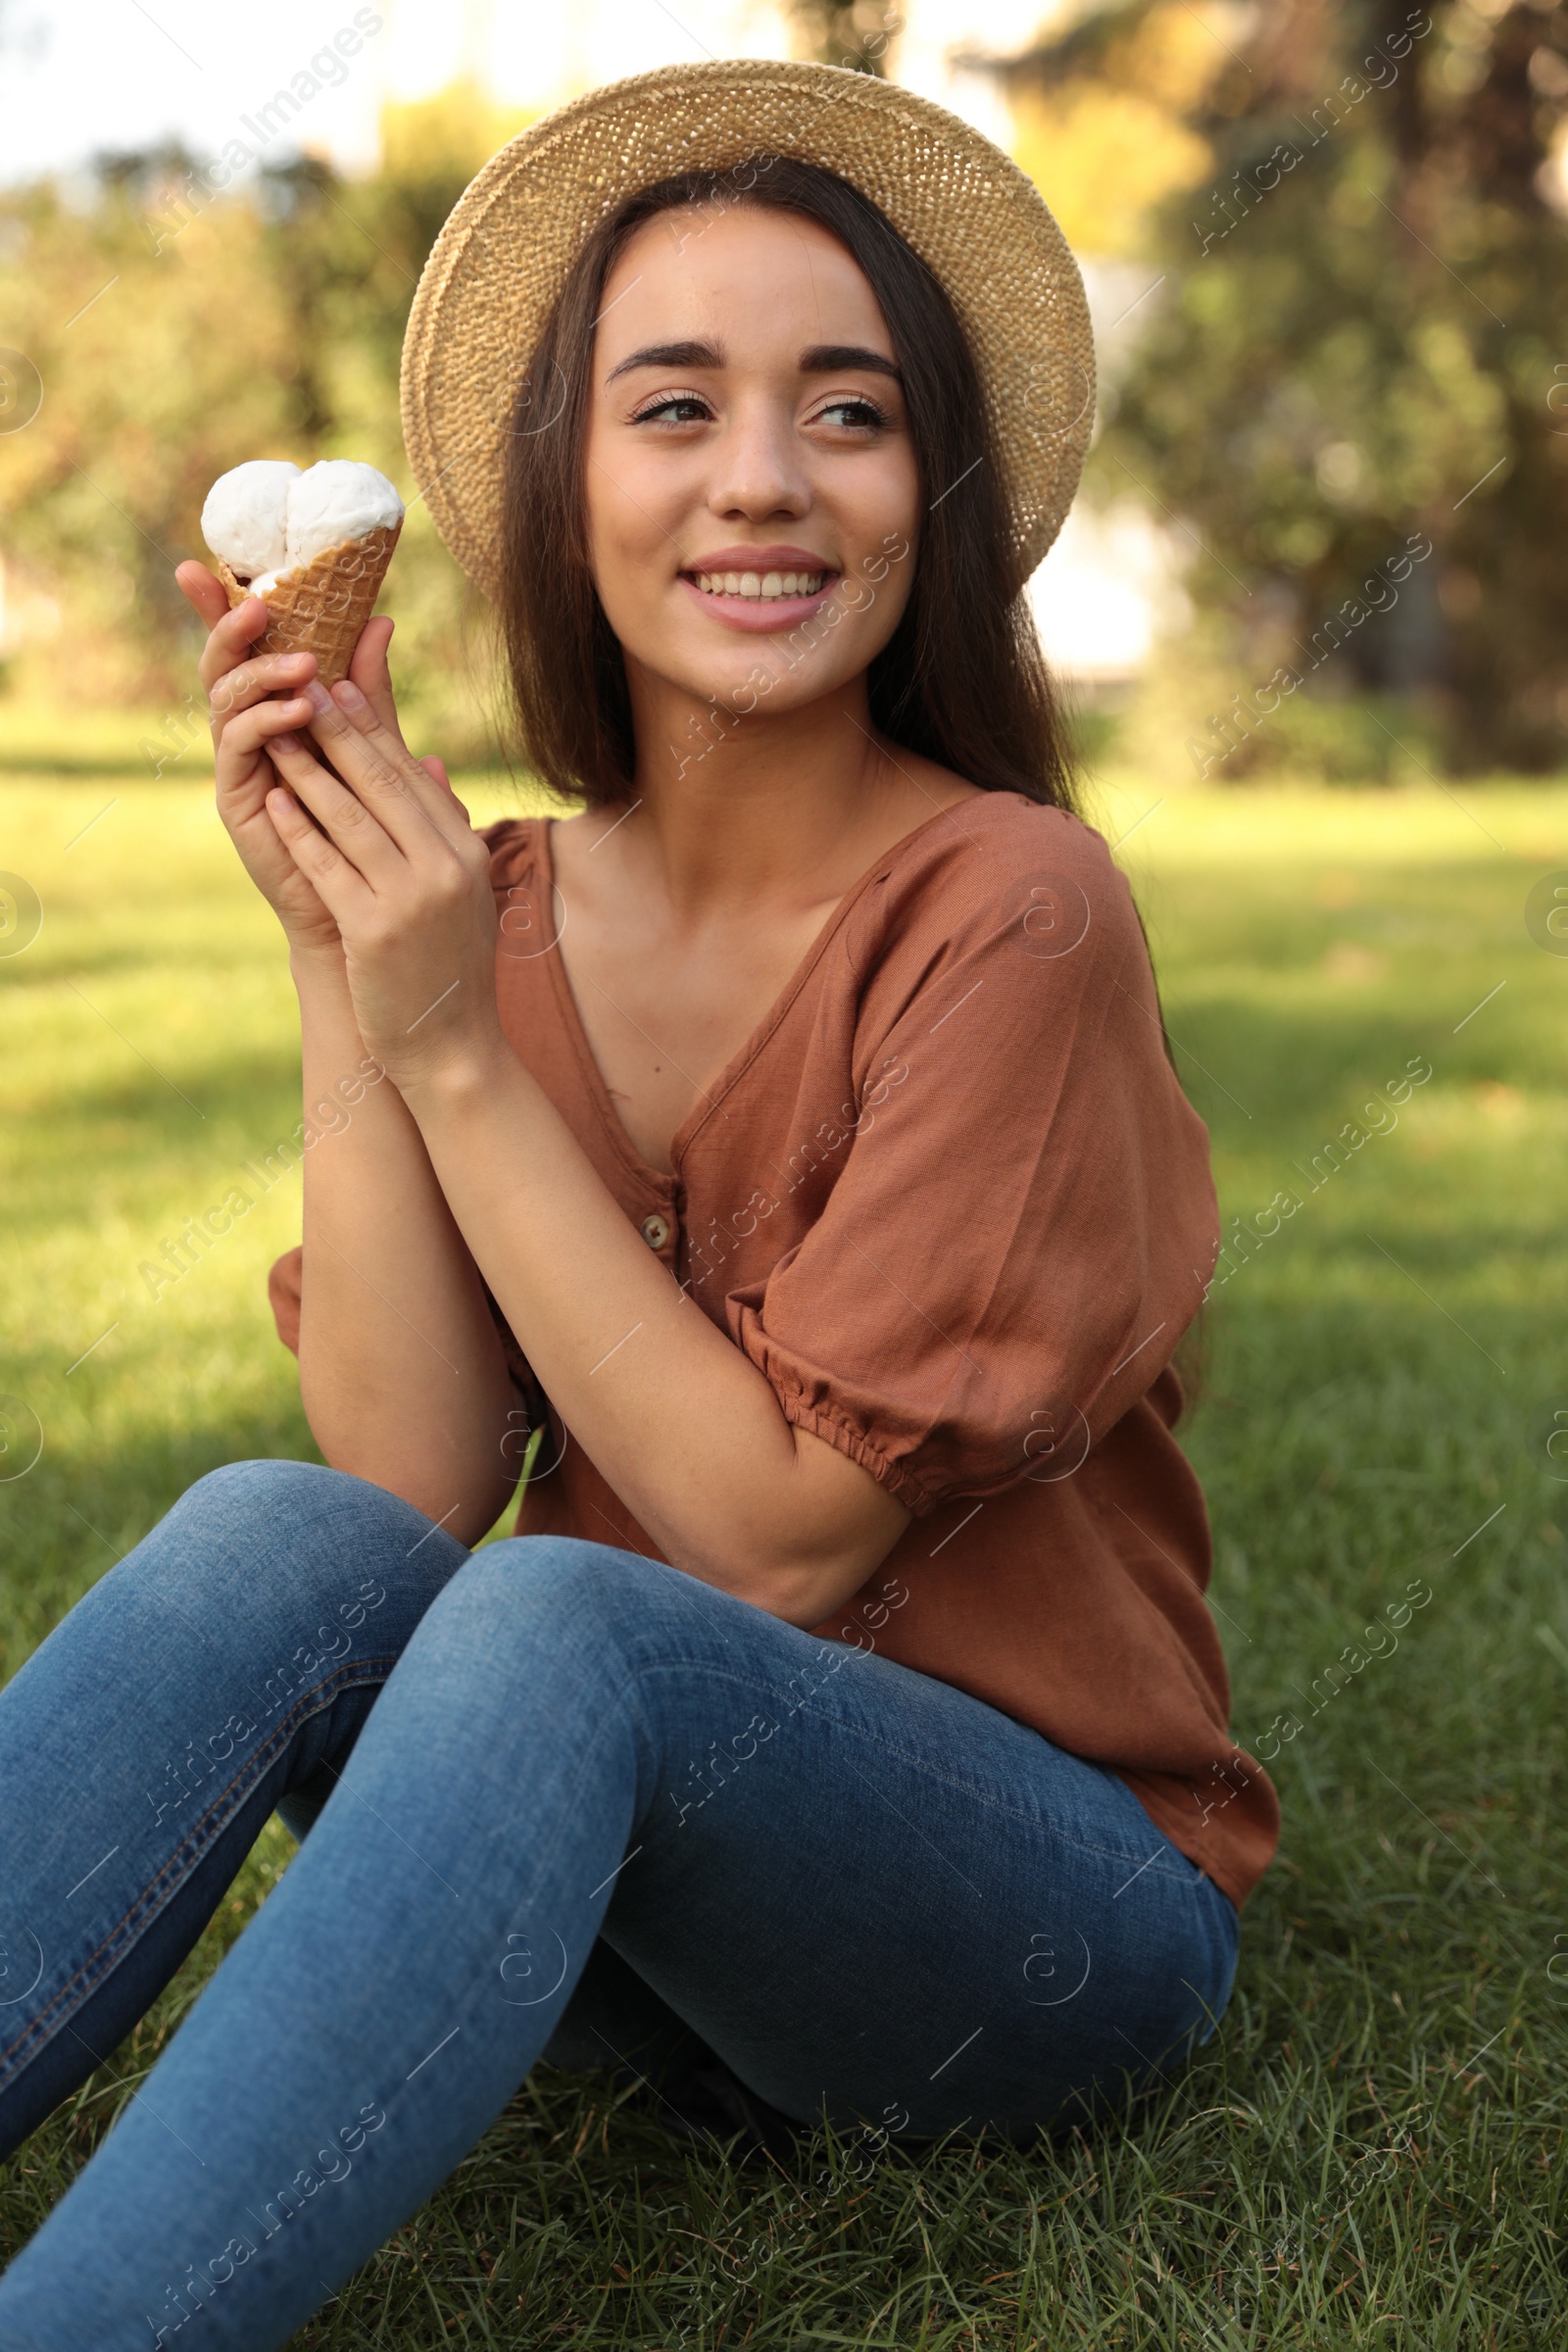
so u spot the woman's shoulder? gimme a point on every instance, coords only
(996, 855)
(994, 824)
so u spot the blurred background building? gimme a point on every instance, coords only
(1324, 249)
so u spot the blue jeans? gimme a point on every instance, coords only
(557, 1800)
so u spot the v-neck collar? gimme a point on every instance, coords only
(709, 1099)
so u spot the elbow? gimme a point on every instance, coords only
(798, 1595)
(806, 1594)
(802, 1582)
(464, 1512)
(470, 1519)
(804, 1597)
(459, 1484)
(464, 1499)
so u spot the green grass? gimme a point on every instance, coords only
(1371, 2153)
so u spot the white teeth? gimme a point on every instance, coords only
(750, 584)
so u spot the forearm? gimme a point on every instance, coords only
(683, 1425)
(680, 1422)
(401, 1368)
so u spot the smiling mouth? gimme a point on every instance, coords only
(761, 587)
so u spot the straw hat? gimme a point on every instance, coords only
(968, 211)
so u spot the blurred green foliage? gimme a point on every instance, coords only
(856, 35)
(179, 332)
(1357, 336)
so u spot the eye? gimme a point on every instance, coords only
(675, 408)
(854, 411)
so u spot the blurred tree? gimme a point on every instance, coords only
(1104, 124)
(1359, 337)
(178, 331)
(855, 33)
(162, 360)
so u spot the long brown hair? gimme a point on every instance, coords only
(962, 681)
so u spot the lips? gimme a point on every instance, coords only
(759, 589)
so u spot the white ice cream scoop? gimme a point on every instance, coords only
(267, 518)
(315, 547)
(335, 503)
(245, 520)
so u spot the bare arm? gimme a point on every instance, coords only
(400, 1367)
(681, 1423)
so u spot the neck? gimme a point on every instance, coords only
(763, 805)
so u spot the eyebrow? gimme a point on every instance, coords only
(822, 359)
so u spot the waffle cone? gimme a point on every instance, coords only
(321, 607)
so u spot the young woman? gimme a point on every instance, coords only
(782, 1159)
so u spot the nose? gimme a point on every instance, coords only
(758, 466)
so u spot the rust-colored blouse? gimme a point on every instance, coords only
(952, 1202)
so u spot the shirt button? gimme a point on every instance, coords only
(656, 1230)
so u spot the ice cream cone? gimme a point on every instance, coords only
(320, 608)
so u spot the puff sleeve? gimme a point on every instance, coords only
(1023, 1222)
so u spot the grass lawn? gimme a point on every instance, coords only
(1371, 2151)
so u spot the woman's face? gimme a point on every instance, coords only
(751, 489)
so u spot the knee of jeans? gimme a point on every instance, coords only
(526, 1590)
(251, 1534)
(264, 1484)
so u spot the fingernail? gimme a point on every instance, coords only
(348, 695)
(316, 696)
(285, 743)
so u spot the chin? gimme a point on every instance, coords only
(767, 685)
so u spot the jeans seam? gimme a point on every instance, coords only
(196, 1844)
(979, 1797)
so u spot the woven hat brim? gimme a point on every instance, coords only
(972, 216)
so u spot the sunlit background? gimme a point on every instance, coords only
(1324, 248)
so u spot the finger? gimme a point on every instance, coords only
(250, 731)
(231, 637)
(201, 590)
(343, 891)
(355, 829)
(437, 769)
(368, 672)
(378, 763)
(425, 797)
(267, 674)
